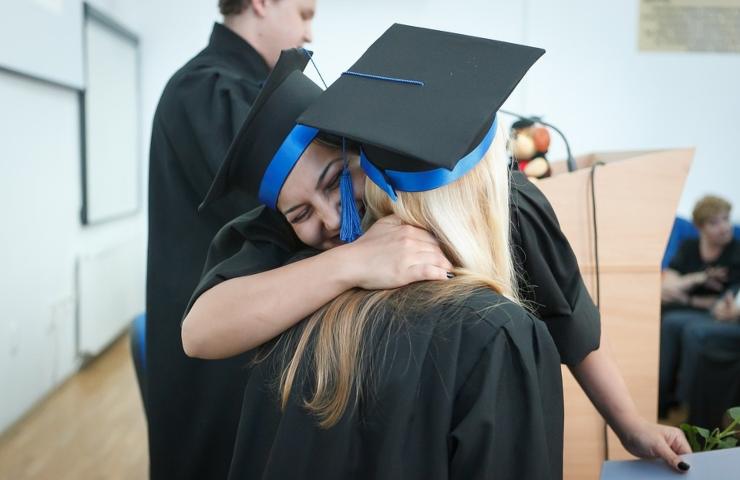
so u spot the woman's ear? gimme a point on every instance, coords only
(258, 6)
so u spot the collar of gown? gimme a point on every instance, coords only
(226, 42)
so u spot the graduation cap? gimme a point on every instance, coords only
(422, 104)
(269, 143)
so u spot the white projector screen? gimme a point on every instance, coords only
(111, 160)
(43, 39)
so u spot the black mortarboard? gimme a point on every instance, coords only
(421, 103)
(269, 142)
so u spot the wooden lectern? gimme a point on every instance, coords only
(636, 196)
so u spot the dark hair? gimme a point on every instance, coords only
(232, 7)
(335, 141)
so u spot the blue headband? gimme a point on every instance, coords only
(391, 181)
(282, 163)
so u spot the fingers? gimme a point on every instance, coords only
(664, 451)
(718, 273)
(423, 271)
(418, 234)
(389, 228)
(408, 230)
(679, 444)
(433, 258)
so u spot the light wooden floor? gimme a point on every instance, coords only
(92, 427)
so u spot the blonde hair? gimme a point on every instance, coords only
(470, 218)
(707, 207)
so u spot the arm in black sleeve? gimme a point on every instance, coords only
(254, 242)
(551, 281)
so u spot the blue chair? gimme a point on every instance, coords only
(682, 230)
(138, 353)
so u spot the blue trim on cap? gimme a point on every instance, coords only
(382, 77)
(391, 181)
(282, 163)
(377, 176)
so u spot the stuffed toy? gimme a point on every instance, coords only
(529, 144)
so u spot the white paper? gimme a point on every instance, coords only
(715, 465)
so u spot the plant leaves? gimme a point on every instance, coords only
(734, 413)
(703, 432)
(727, 443)
(690, 432)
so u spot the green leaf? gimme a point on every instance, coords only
(727, 443)
(703, 432)
(734, 413)
(713, 441)
(690, 432)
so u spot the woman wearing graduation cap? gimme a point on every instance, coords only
(445, 379)
(248, 308)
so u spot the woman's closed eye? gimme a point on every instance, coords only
(334, 183)
(302, 215)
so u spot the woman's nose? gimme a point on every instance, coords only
(330, 215)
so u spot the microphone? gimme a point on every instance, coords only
(571, 162)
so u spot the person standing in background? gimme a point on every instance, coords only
(198, 114)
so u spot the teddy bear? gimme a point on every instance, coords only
(529, 144)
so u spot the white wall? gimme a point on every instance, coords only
(41, 200)
(592, 82)
(343, 30)
(596, 86)
(42, 238)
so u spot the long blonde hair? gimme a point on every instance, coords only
(470, 218)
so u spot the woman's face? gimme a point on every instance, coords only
(717, 230)
(310, 197)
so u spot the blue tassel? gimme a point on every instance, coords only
(350, 228)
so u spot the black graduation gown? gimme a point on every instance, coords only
(556, 293)
(192, 405)
(462, 391)
(552, 281)
(552, 284)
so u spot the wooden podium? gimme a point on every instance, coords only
(636, 195)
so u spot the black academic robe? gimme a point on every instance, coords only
(468, 389)
(551, 283)
(192, 405)
(554, 288)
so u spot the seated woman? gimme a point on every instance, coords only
(442, 379)
(702, 271)
(240, 302)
